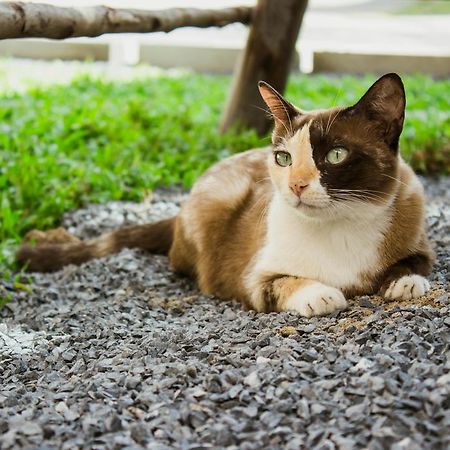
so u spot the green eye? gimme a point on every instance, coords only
(283, 159)
(337, 155)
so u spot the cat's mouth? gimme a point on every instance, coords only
(308, 204)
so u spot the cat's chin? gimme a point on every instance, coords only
(320, 213)
(308, 210)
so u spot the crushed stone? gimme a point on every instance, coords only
(122, 354)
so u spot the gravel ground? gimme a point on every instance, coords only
(122, 354)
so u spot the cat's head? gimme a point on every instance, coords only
(335, 162)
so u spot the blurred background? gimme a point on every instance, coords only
(350, 36)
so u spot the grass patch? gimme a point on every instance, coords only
(94, 140)
(426, 7)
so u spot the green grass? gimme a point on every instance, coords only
(426, 7)
(94, 141)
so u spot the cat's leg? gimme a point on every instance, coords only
(406, 280)
(307, 297)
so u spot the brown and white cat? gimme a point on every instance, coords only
(329, 211)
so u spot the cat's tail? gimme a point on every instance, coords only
(50, 252)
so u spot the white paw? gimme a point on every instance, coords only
(407, 288)
(316, 300)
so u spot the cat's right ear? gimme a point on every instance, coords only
(283, 112)
(385, 103)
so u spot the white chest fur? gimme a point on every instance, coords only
(335, 252)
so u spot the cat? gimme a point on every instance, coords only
(328, 212)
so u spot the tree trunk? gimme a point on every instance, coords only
(19, 20)
(267, 56)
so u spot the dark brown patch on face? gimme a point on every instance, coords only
(368, 170)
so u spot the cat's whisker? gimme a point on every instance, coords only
(272, 116)
(280, 121)
(335, 209)
(262, 180)
(330, 125)
(326, 128)
(322, 133)
(356, 190)
(278, 108)
(288, 132)
(351, 209)
(258, 202)
(359, 198)
(357, 195)
(342, 204)
(396, 179)
(289, 118)
(338, 93)
(266, 110)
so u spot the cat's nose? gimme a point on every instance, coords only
(298, 188)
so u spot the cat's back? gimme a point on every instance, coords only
(226, 186)
(230, 179)
(222, 224)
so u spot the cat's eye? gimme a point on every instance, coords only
(337, 155)
(283, 159)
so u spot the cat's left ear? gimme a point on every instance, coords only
(283, 111)
(385, 103)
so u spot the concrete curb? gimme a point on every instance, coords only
(358, 63)
(221, 59)
(45, 49)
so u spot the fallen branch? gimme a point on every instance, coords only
(19, 20)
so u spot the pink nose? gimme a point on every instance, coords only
(298, 188)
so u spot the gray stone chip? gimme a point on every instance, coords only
(122, 354)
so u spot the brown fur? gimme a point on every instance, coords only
(219, 249)
(406, 249)
(416, 255)
(222, 226)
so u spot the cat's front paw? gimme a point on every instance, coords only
(316, 299)
(407, 288)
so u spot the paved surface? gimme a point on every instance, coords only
(121, 354)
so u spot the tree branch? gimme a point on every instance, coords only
(19, 20)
